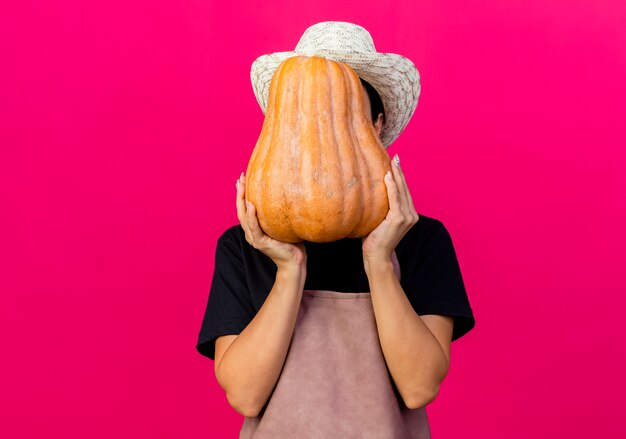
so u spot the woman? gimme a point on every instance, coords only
(343, 339)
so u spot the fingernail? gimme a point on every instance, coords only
(247, 204)
(241, 174)
(237, 184)
(396, 160)
(388, 175)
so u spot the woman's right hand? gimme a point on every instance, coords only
(282, 253)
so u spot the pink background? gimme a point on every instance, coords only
(125, 124)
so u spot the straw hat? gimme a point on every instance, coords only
(395, 78)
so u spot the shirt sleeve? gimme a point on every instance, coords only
(433, 280)
(229, 307)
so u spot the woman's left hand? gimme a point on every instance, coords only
(382, 241)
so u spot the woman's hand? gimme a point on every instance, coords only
(382, 241)
(282, 253)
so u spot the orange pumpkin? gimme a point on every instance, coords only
(316, 172)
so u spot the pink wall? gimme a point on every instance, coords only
(125, 124)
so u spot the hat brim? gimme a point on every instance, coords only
(395, 78)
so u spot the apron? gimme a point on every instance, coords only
(335, 382)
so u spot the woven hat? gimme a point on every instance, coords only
(395, 78)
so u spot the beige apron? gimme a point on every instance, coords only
(335, 382)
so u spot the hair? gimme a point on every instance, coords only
(375, 102)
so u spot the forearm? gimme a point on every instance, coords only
(413, 354)
(252, 363)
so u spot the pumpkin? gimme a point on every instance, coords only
(316, 171)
